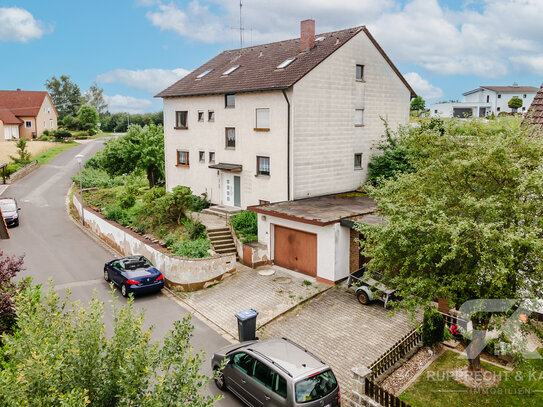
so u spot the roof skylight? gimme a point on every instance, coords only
(285, 63)
(229, 71)
(204, 73)
(319, 39)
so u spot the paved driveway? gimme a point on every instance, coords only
(339, 330)
(270, 295)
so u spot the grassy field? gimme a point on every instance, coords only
(521, 387)
(34, 147)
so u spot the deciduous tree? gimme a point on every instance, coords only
(9, 267)
(66, 95)
(95, 98)
(466, 224)
(60, 355)
(515, 103)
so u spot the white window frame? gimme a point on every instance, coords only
(258, 166)
(264, 123)
(51, 123)
(28, 124)
(359, 117)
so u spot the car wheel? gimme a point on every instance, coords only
(124, 290)
(363, 298)
(219, 381)
(106, 275)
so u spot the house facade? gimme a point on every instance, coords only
(484, 101)
(282, 121)
(26, 114)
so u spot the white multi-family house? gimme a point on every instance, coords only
(282, 127)
(282, 121)
(484, 101)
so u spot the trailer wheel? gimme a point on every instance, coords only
(363, 297)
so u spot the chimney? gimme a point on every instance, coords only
(307, 37)
(18, 89)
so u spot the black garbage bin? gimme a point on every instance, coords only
(247, 324)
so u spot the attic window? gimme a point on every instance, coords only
(204, 73)
(285, 63)
(229, 71)
(319, 39)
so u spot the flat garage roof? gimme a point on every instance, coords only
(323, 210)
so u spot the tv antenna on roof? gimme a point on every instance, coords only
(240, 26)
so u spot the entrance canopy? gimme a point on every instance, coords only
(227, 167)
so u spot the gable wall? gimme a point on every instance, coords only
(324, 137)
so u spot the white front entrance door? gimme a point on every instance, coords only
(11, 132)
(227, 189)
(231, 190)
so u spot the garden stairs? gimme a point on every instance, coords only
(222, 240)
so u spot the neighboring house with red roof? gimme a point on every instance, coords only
(534, 116)
(282, 121)
(26, 114)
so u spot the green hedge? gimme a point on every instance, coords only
(433, 326)
(245, 224)
(192, 248)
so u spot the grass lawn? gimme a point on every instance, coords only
(518, 388)
(101, 134)
(48, 155)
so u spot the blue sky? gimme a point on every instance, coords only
(134, 48)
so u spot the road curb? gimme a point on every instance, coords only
(166, 292)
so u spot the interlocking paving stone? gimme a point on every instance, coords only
(271, 296)
(342, 332)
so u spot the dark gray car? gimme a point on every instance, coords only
(276, 372)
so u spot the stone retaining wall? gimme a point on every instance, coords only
(23, 172)
(180, 273)
(253, 254)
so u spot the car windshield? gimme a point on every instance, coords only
(8, 206)
(315, 387)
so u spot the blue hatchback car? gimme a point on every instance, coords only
(134, 274)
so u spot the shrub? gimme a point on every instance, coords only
(245, 224)
(192, 248)
(24, 155)
(194, 229)
(60, 135)
(170, 239)
(96, 178)
(433, 325)
(197, 203)
(12, 168)
(45, 132)
(44, 138)
(116, 214)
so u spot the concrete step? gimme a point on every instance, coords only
(225, 251)
(224, 246)
(226, 239)
(215, 232)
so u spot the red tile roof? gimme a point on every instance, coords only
(8, 117)
(258, 66)
(22, 103)
(535, 112)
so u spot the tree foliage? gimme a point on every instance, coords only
(9, 267)
(467, 223)
(515, 103)
(418, 103)
(394, 156)
(60, 355)
(87, 117)
(66, 95)
(141, 148)
(23, 154)
(118, 122)
(95, 98)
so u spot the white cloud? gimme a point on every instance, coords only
(129, 104)
(18, 25)
(152, 80)
(488, 38)
(422, 87)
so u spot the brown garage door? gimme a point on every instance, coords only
(295, 250)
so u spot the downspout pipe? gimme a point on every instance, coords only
(288, 144)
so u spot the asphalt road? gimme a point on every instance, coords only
(55, 248)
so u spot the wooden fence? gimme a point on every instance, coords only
(382, 396)
(396, 353)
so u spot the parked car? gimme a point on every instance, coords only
(369, 287)
(134, 274)
(10, 211)
(276, 372)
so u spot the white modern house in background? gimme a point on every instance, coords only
(283, 121)
(484, 101)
